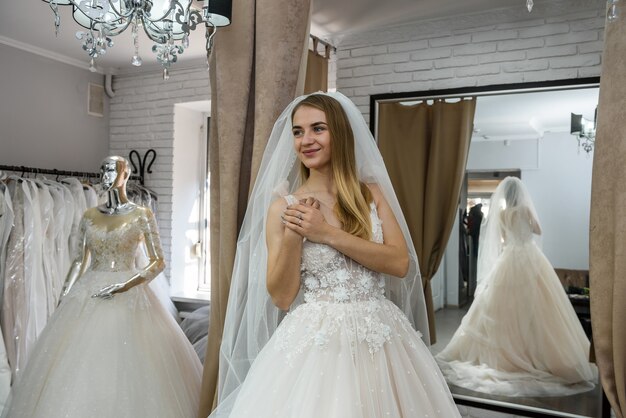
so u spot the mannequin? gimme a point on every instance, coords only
(116, 213)
(111, 349)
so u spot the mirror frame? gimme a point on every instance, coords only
(492, 90)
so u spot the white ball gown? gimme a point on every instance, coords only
(120, 358)
(346, 352)
(521, 336)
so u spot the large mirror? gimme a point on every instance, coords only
(512, 317)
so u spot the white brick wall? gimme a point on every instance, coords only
(560, 39)
(142, 117)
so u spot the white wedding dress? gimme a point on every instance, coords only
(521, 336)
(120, 358)
(346, 352)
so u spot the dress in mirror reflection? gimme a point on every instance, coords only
(521, 336)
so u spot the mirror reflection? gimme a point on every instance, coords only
(511, 293)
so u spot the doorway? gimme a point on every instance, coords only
(474, 203)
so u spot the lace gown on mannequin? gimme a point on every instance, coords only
(346, 352)
(521, 336)
(123, 357)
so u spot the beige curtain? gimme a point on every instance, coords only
(316, 73)
(256, 71)
(425, 149)
(607, 258)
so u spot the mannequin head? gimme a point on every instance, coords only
(115, 172)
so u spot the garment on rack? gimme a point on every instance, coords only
(35, 256)
(34, 279)
(14, 304)
(6, 222)
(91, 197)
(76, 189)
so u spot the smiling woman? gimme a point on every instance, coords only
(344, 349)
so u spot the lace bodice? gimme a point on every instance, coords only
(115, 250)
(328, 275)
(340, 294)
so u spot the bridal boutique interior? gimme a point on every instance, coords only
(48, 123)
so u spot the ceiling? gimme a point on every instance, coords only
(30, 25)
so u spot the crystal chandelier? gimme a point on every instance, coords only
(166, 22)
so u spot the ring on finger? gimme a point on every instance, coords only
(300, 216)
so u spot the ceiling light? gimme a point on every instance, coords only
(167, 23)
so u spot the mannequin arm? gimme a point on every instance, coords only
(80, 263)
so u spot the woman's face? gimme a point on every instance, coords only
(311, 137)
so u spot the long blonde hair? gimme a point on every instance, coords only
(353, 197)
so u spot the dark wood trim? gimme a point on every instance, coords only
(518, 412)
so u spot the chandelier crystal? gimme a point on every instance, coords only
(167, 23)
(612, 13)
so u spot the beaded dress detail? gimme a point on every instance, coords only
(346, 352)
(125, 357)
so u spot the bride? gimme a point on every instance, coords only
(521, 336)
(332, 251)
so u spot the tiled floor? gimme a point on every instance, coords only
(586, 404)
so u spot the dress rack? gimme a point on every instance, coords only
(33, 170)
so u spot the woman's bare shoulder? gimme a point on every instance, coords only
(277, 206)
(377, 193)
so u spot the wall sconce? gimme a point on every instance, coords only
(585, 130)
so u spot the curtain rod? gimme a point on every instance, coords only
(327, 47)
(478, 93)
